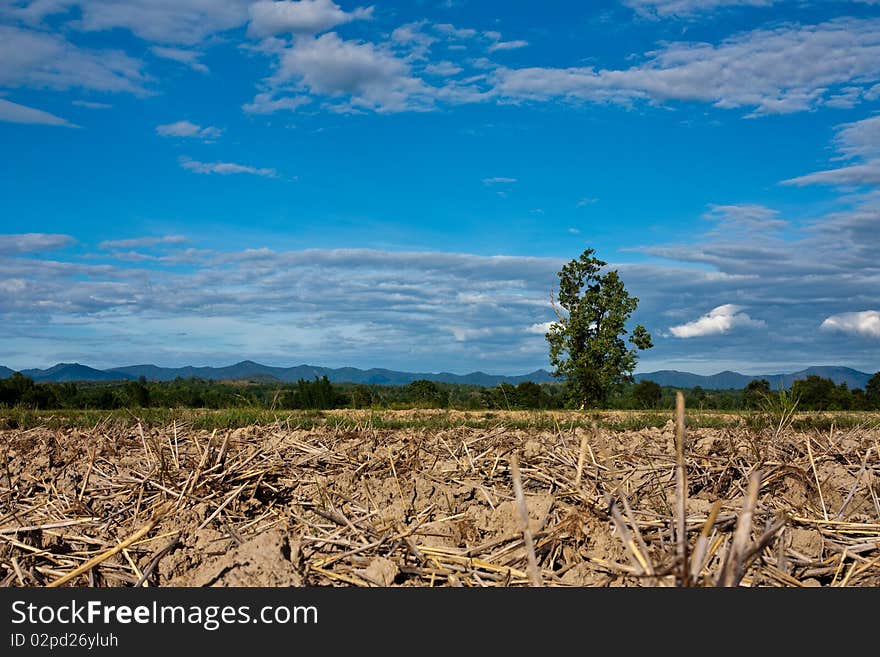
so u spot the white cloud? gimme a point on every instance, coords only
(786, 69)
(304, 16)
(508, 45)
(717, 321)
(142, 242)
(498, 180)
(33, 242)
(187, 129)
(585, 201)
(865, 323)
(41, 60)
(14, 113)
(539, 328)
(265, 103)
(225, 168)
(162, 21)
(188, 57)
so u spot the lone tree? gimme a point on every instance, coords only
(586, 343)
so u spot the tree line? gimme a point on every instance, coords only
(813, 393)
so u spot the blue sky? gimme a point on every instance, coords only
(396, 184)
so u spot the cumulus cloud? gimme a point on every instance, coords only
(226, 168)
(14, 113)
(302, 16)
(540, 328)
(368, 76)
(33, 242)
(864, 324)
(188, 57)
(786, 69)
(29, 58)
(186, 129)
(717, 321)
(138, 242)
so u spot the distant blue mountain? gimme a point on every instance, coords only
(66, 372)
(733, 380)
(248, 370)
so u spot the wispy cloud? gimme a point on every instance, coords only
(498, 180)
(165, 22)
(186, 129)
(750, 218)
(786, 69)
(857, 174)
(31, 58)
(266, 103)
(660, 8)
(33, 242)
(226, 168)
(189, 58)
(859, 140)
(91, 104)
(507, 45)
(138, 242)
(14, 113)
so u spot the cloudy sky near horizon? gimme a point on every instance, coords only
(396, 184)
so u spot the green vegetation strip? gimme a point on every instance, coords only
(348, 420)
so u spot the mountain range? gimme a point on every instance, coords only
(250, 371)
(728, 380)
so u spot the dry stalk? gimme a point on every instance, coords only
(682, 576)
(732, 571)
(534, 571)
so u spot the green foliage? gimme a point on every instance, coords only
(526, 395)
(426, 393)
(778, 410)
(872, 393)
(755, 392)
(647, 394)
(586, 343)
(818, 393)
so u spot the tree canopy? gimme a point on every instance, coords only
(586, 341)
